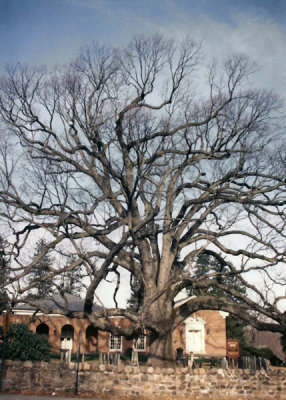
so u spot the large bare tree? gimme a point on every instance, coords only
(141, 159)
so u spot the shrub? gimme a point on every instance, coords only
(23, 344)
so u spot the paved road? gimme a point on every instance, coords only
(29, 397)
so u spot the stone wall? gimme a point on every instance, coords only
(145, 381)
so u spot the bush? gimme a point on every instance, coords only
(91, 356)
(25, 345)
(127, 355)
(263, 353)
(55, 356)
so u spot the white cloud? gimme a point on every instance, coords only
(262, 40)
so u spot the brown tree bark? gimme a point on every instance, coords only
(161, 352)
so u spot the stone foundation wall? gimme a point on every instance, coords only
(145, 381)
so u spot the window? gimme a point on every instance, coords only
(140, 343)
(115, 342)
(43, 329)
(91, 332)
(67, 334)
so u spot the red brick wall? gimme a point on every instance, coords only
(215, 340)
(215, 333)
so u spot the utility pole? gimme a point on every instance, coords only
(77, 364)
(4, 345)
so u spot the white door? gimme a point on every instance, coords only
(194, 341)
(195, 336)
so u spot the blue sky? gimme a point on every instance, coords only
(52, 31)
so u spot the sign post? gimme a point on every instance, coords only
(232, 348)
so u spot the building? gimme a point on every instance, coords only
(202, 333)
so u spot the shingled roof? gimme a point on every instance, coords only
(74, 304)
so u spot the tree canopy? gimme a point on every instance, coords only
(38, 278)
(207, 264)
(141, 159)
(41, 278)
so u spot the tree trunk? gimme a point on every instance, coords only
(161, 352)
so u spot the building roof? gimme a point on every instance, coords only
(58, 302)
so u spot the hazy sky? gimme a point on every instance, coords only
(52, 31)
